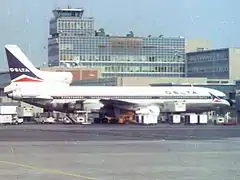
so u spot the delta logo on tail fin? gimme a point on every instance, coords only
(215, 98)
(20, 68)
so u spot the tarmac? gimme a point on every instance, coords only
(98, 152)
(60, 132)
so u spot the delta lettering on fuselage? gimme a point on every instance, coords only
(19, 70)
(186, 92)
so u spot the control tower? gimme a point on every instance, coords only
(67, 21)
(65, 27)
(68, 12)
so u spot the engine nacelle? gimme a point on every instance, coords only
(154, 109)
(64, 77)
(149, 110)
(69, 107)
(92, 104)
(16, 94)
(61, 77)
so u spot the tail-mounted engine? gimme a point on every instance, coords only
(15, 94)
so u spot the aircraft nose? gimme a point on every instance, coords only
(230, 102)
(227, 103)
(10, 95)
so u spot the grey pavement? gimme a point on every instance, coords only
(28, 152)
(123, 160)
(114, 132)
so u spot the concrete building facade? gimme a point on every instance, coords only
(78, 73)
(137, 81)
(214, 64)
(193, 45)
(74, 42)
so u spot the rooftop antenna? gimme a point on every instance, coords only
(55, 4)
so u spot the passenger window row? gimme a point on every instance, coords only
(132, 97)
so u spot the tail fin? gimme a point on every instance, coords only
(20, 68)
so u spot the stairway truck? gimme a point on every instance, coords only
(202, 119)
(191, 118)
(175, 119)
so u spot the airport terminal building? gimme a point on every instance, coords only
(214, 64)
(74, 42)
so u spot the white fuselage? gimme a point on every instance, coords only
(196, 98)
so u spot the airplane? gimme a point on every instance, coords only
(44, 90)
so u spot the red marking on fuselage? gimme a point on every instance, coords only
(216, 100)
(25, 79)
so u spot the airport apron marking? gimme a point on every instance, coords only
(47, 170)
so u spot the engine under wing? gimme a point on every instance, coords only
(119, 104)
(138, 108)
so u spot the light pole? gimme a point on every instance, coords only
(178, 56)
(27, 31)
(179, 64)
(45, 52)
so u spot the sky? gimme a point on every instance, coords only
(26, 22)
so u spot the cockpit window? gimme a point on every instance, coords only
(222, 97)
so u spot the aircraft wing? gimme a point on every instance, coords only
(152, 108)
(115, 101)
(120, 104)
